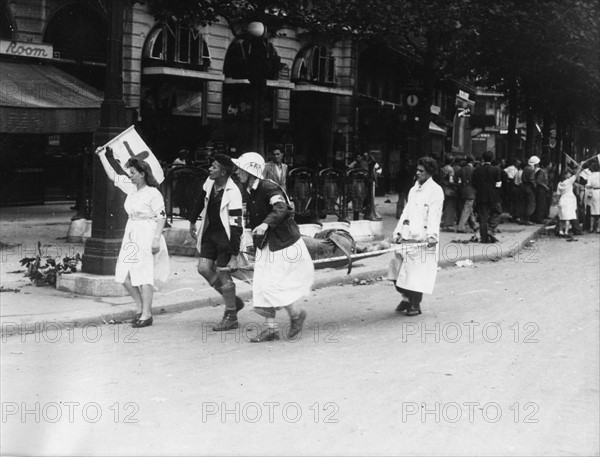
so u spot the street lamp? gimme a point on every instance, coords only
(108, 217)
(262, 63)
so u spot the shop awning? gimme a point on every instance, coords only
(436, 129)
(40, 98)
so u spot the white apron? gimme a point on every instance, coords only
(282, 277)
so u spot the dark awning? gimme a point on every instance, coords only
(40, 98)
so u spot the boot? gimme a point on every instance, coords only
(229, 320)
(216, 284)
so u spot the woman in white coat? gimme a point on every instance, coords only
(414, 268)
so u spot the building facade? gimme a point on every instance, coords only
(196, 88)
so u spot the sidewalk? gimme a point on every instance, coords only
(27, 310)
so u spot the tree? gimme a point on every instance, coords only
(544, 55)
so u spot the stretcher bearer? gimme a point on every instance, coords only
(219, 235)
(414, 269)
(283, 271)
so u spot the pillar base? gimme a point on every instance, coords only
(100, 255)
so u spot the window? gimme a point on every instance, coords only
(157, 45)
(314, 64)
(178, 45)
(183, 44)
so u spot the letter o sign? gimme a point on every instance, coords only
(412, 100)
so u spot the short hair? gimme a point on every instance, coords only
(487, 156)
(430, 165)
(225, 161)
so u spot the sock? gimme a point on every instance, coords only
(271, 323)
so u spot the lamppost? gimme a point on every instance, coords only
(262, 63)
(108, 216)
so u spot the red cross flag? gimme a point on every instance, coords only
(127, 145)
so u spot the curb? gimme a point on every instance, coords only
(337, 278)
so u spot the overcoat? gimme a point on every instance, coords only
(415, 267)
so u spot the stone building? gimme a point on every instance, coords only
(192, 87)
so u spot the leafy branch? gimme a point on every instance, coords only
(42, 274)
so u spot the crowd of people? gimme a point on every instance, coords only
(477, 192)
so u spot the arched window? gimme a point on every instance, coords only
(177, 45)
(314, 64)
(78, 33)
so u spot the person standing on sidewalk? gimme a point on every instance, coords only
(567, 203)
(276, 170)
(592, 195)
(487, 180)
(467, 195)
(219, 236)
(143, 257)
(528, 189)
(543, 194)
(283, 271)
(413, 269)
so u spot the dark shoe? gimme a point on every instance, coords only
(528, 223)
(267, 334)
(414, 310)
(492, 239)
(229, 322)
(296, 325)
(143, 323)
(239, 303)
(474, 239)
(403, 306)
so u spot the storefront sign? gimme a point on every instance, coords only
(463, 94)
(412, 100)
(23, 49)
(239, 109)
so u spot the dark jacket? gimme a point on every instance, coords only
(267, 203)
(465, 177)
(485, 178)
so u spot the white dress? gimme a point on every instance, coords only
(592, 193)
(143, 207)
(567, 203)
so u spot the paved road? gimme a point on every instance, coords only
(504, 361)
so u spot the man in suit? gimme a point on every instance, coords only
(276, 170)
(487, 180)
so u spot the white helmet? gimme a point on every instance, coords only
(252, 163)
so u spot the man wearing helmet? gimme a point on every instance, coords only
(283, 271)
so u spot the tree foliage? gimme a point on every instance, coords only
(542, 53)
